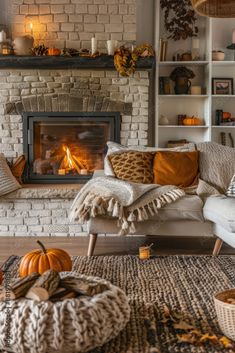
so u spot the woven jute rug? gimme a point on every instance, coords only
(183, 283)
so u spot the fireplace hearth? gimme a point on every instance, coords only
(66, 147)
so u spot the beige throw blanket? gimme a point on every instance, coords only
(128, 202)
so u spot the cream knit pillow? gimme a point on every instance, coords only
(8, 183)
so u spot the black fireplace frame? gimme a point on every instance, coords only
(28, 120)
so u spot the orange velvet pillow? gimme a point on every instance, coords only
(176, 168)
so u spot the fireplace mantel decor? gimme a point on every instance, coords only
(66, 147)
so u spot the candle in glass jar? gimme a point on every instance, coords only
(144, 252)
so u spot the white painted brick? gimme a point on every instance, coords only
(55, 9)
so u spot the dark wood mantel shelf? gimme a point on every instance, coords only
(64, 62)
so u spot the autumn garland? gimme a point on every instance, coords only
(125, 60)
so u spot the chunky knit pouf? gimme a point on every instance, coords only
(69, 326)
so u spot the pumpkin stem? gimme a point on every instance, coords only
(42, 246)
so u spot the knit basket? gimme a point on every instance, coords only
(226, 312)
(68, 326)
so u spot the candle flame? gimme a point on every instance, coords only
(31, 26)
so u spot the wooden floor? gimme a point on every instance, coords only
(112, 245)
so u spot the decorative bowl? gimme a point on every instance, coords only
(218, 55)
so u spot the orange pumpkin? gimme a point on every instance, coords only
(226, 115)
(53, 51)
(44, 259)
(192, 121)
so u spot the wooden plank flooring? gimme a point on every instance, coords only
(112, 245)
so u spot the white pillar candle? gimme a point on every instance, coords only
(233, 37)
(3, 36)
(195, 43)
(196, 90)
(93, 45)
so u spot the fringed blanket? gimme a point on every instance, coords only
(128, 202)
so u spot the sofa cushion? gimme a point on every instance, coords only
(116, 148)
(133, 166)
(8, 182)
(176, 168)
(221, 210)
(188, 207)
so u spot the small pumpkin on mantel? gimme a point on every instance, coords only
(43, 259)
(192, 121)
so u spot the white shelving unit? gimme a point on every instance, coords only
(214, 34)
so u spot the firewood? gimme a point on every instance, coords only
(38, 294)
(19, 288)
(45, 286)
(82, 286)
(63, 293)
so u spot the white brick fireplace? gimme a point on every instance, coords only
(43, 210)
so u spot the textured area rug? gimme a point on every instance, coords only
(183, 283)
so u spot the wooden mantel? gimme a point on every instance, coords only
(64, 62)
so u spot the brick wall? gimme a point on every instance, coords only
(16, 85)
(72, 23)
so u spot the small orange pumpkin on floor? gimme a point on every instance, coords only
(44, 259)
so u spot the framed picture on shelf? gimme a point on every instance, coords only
(222, 85)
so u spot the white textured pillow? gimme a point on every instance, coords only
(231, 189)
(8, 182)
(116, 148)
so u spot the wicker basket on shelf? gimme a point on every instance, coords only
(226, 312)
(214, 8)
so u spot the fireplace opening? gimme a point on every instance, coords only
(68, 147)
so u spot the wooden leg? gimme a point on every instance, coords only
(91, 246)
(217, 247)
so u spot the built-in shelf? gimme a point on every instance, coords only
(223, 63)
(183, 95)
(65, 62)
(184, 126)
(223, 95)
(182, 63)
(223, 127)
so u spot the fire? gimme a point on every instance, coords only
(70, 162)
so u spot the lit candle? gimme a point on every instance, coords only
(31, 29)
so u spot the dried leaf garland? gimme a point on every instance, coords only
(179, 18)
(125, 60)
(188, 332)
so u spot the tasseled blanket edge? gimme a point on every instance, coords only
(94, 206)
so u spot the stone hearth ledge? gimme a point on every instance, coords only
(48, 191)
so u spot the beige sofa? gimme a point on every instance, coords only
(190, 215)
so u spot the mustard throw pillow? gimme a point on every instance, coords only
(176, 168)
(133, 166)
